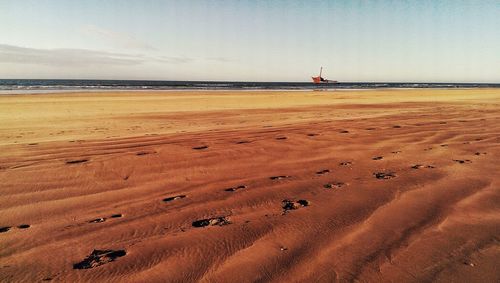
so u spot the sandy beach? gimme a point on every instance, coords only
(251, 186)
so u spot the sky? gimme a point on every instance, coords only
(354, 41)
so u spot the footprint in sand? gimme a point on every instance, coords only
(462, 161)
(292, 205)
(322, 172)
(311, 135)
(281, 138)
(396, 126)
(335, 185)
(215, 221)
(480, 153)
(396, 151)
(118, 215)
(174, 198)
(345, 163)
(200, 147)
(99, 257)
(344, 132)
(279, 177)
(23, 226)
(242, 142)
(370, 129)
(384, 175)
(378, 158)
(233, 189)
(76, 161)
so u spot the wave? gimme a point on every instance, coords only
(33, 85)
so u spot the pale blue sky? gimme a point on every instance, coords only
(392, 40)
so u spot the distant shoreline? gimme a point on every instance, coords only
(70, 91)
(51, 86)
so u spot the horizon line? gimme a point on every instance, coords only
(229, 81)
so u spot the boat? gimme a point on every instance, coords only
(320, 80)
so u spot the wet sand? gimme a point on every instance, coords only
(370, 186)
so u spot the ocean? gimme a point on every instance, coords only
(27, 86)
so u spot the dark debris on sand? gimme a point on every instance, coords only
(140, 153)
(462, 161)
(292, 205)
(98, 220)
(324, 171)
(384, 175)
(335, 185)
(4, 229)
(200, 147)
(215, 221)
(279, 177)
(99, 257)
(174, 198)
(233, 189)
(76, 161)
(418, 166)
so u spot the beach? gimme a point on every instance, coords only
(388, 185)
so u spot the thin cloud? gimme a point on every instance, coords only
(175, 60)
(64, 56)
(118, 39)
(78, 57)
(220, 59)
